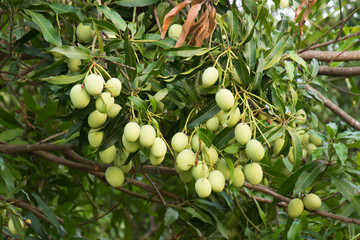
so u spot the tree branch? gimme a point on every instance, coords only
(7, 148)
(333, 107)
(339, 71)
(330, 55)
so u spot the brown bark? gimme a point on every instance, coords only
(331, 55)
(339, 71)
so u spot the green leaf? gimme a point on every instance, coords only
(275, 54)
(130, 56)
(294, 56)
(255, 84)
(64, 79)
(305, 179)
(48, 212)
(223, 137)
(206, 136)
(314, 69)
(261, 212)
(341, 151)
(47, 29)
(290, 69)
(250, 53)
(349, 191)
(113, 16)
(9, 118)
(170, 216)
(17, 224)
(103, 25)
(294, 232)
(138, 102)
(161, 94)
(196, 214)
(47, 69)
(205, 114)
(72, 52)
(186, 51)
(297, 149)
(135, 3)
(242, 71)
(65, 9)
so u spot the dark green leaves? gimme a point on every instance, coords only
(135, 3)
(242, 71)
(113, 16)
(72, 52)
(64, 79)
(204, 115)
(48, 212)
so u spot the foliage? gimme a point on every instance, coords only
(254, 48)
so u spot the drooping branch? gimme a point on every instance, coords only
(333, 107)
(7, 148)
(331, 55)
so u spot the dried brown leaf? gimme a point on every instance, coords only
(194, 10)
(299, 9)
(201, 35)
(193, 2)
(305, 15)
(212, 21)
(169, 17)
(196, 25)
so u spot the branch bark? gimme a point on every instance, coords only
(331, 55)
(333, 107)
(7, 148)
(339, 71)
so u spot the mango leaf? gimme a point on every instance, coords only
(242, 71)
(130, 58)
(261, 212)
(275, 53)
(48, 212)
(314, 69)
(17, 225)
(305, 179)
(169, 17)
(47, 29)
(250, 53)
(294, 231)
(290, 69)
(206, 136)
(294, 56)
(205, 114)
(9, 118)
(196, 214)
(138, 102)
(223, 137)
(349, 191)
(72, 52)
(297, 149)
(64, 79)
(103, 25)
(186, 51)
(170, 216)
(67, 10)
(135, 3)
(113, 16)
(341, 151)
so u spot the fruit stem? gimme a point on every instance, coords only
(187, 120)
(107, 74)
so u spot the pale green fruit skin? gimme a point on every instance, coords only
(223, 167)
(304, 153)
(147, 135)
(185, 159)
(312, 201)
(278, 145)
(233, 118)
(12, 228)
(291, 155)
(179, 141)
(210, 76)
(284, 3)
(158, 148)
(114, 110)
(95, 138)
(121, 158)
(221, 117)
(211, 156)
(126, 168)
(96, 119)
(104, 102)
(255, 150)
(238, 178)
(201, 170)
(186, 176)
(130, 146)
(196, 143)
(301, 117)
(94, 84)
(295, 208)
(114, 85)
(132, 131)
(155, 161)
(203, 187)
(311, 148)
(304, 137)
(253, 173)
(79, 97)
(316, 140)
(84, 33)
(217, 181)
(242, 133)
(212, 124)
(114, 176)
(224, 99)
(175, 31)
(108, 155)
(74, 64)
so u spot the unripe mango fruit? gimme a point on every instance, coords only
(185, 159)
(114, 176)
(210, 76)
(312, 201)
(94, 84)
(104, 102)
(217, 181)
(295, 208)
(301, 117)
(203, 187)
(212, 124)
(197, 143)
(175, 31)
(224, 99)
(316, 140)
(155, 161)
(130, 146)
(238, 178)
(179, 141)
(284, 3)
(223, 167)
(147, 135)
(12, 228)
(95, 138)
(96, 119)
(311, 148)
(255, 150)
(253, 173)
(158, 148)
(233, 118)
(74, 64)
(108, 155)
(242, 133)
(211, 156)
(201, 170)
(278, 145)
(84, 33)
(114, 85)
(132, 131)
(79, 96)
(114, 110)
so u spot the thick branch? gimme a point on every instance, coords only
(339, 71)
(7, 148)
(331, 55)
(333, 107)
